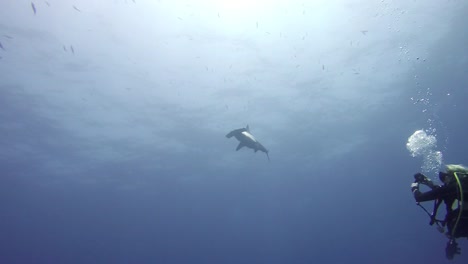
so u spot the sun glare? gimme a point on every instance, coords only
(238, 5)
(241, 6)
(239, 15)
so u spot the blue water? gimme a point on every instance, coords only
(115, 152)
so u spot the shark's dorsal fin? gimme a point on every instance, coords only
(247, 128)
(240, 146)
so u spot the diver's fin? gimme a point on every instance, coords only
(240, 146)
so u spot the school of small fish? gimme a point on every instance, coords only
(35, 12)
(72, 50)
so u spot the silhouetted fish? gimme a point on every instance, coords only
(33, 7)
(246, 139)
(8, 37)
(47, 3)
(1, 46)
(76, 9)
(72, 50)
(64, 48)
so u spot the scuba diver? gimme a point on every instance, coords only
(453, 191)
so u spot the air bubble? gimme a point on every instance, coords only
(420, 144)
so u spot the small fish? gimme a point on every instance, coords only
(64, 48)
(47, 3)
(323, 67)
(72, 50)
(364, 32)
(133, 1)
(8, 37)
(1, 46)
(33, 7)
(74, 7)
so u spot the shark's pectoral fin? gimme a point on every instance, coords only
(240, 146)
(255, 150)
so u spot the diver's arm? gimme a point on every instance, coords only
(420, 178)
(435, 193)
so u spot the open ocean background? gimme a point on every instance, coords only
(113, 116)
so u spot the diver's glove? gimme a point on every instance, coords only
(451, 249)
(420, 178)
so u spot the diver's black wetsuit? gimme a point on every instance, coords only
(448, 194)
(457, 223)
(449, 191)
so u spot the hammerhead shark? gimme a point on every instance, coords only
(247, 140)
